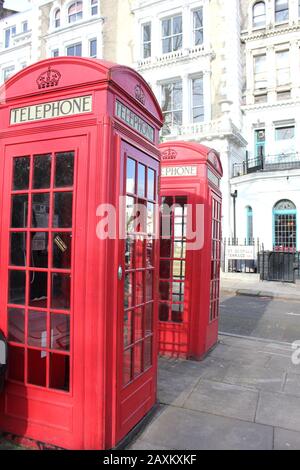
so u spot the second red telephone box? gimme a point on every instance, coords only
(190, 249)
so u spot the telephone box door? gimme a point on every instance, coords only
(38, 299)
(137, 291)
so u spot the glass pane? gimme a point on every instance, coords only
(198, 37)
(64, 169)
(151, 183)
(17, 280)
(37, 329)
(177, 24)
(128, 290)
(16, 363)
(165, 248)
(18, 249)
(130, 215)
(127, 362)
(130, 178)
(149, 252)
(166, 27)
(147, 32)
(165, 272)
(60, 332)
(150, 218)
(61, 284)
(138, 360)
(139, 287)
(62, 244)
(141, 180)
(16, 325)
(59, 372)
(179, 269)
(19, 211)
(21, 173)
(138, 323)
(63, 205)
(129, 250)
(177, 313)
(148, 318)
(42, 171)
(39, 250)
(178, 291)
(163, 312)
(38, 289)
(148, 353)
(149, 286)
(179, 249)
(128, 330)
(164, 290)
(37, 367)
(40, 210)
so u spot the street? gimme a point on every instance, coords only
(260, 317)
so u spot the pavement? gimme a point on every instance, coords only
(250, 285)
(245, 395)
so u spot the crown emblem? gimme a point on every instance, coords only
(48, 79)
(139, 94)
(169, 154)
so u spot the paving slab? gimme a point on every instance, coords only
(182, 429)
(292, 384)
(286, 440)
(279, 410)
(259, 378)
(223, 399)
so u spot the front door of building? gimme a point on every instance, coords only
(39, 308)
(137, 311)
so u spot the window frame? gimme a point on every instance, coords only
(78, 14)
(172, 36)
(144, 43)
(173, 108)
(193, 79)
(93, 40)
(263, 23)
(94, 6)
(74, 45)
(263, 74)
(278, 10)
(199, 28)
(57, 18)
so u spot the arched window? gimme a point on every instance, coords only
(249, 224)
(281, 11)
(259, 15)
(57, 19)
(285, 225)
(75, 12)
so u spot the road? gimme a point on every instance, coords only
(260, 317)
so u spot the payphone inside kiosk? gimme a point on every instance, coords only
(78, 298)
(190, 251)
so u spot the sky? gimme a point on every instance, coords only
(17, 5)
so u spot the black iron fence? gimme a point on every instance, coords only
(279, 266)
(240, 255)
(283, 161)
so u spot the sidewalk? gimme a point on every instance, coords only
(249, 284)
(244, 395)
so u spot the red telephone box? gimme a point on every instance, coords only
(189, 265)
(79, 307)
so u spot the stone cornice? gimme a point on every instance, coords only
(269, 32)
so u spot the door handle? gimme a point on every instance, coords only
(120, 273)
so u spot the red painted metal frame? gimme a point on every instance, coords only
(198, 333)
(88, 417)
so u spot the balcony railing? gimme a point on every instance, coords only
(287, 161)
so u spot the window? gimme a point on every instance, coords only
(75, 12)
(260, 71)
(285, 226)
(249, 216)
(57, 19)
(146, 32)
(172, 105)
(93, 48)
(198, 26)
(25, 26)
(55, 53)
(281, 11)
(198, 106)
(75, 50)
(260, 143)
(282, 68)
(172, 34)
(285, 140)
(8, 72)
(259, 15)
(94, 7)
(9, 33)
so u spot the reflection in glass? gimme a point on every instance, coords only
(17, 280)
(128, 290)
(164, 290)
(141, 180)
(63, 205)
(18, 249)
(39, 250)
(149, 286)
(37, 367)
(151, 183)
(129, 250)
(130, 178)
(165, 248)
(150, 218)
(179, 249)
(177, 313)
(138, 323)
(140, 252)
(16, 363)
(42, 171)
(19, 211)
(16, 325)
(60, 332)
(37, 329)
(40, 210)
(60, 297)
(128, 330)
(148, 352)
(138, 360)
(148, 318)
(139, 287)
(163, 312)
(179, 269)
(165, 272)
(64, 169)
(130, 217)
(149, 252)
(61, 248)
(59, 372)
(127, 362)
(21, 173)
(38, 291)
